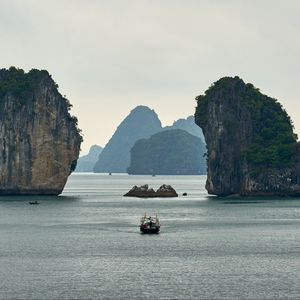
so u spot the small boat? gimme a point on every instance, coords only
(34, 202)
(149, 224)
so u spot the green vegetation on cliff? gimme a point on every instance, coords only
(21, 86)
(18, 83)
(273, 143)
(168, 152)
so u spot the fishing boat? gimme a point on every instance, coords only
(149, 224)
(33, 202)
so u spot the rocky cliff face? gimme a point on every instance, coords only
(252, 149)
(39, 140)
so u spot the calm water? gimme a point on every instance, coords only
(86, 244)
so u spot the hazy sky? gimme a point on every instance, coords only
(110, 55)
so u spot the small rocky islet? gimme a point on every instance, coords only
(144, 191)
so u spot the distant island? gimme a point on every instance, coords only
(87, 162)
(173, 151)
(187, 125)
(39, 139)
(252, 149)
(141, 123)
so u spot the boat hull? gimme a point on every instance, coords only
(150, 230)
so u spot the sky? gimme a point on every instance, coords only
(109, 56)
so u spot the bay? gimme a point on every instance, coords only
(86, 244)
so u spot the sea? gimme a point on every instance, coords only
(86, 243)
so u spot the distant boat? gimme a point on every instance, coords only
(33, 202)
(149, 224)
(153, 175)
(109, 173)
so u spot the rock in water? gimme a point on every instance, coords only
(145, 192)
(252, 149)
(39, 139)
(166, 191)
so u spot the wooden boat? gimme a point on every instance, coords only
(149, 224)
(33, 202)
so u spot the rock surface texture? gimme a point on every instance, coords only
(252, 149)
(39, 139)
(145, 192)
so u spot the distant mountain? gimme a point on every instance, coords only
(87, 162)
(142, 122)
(170, 152)
(188, 125)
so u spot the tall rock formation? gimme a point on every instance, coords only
(39, 139)
(142, 122)
(170, 152)
(252, 149)
(87, 162)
